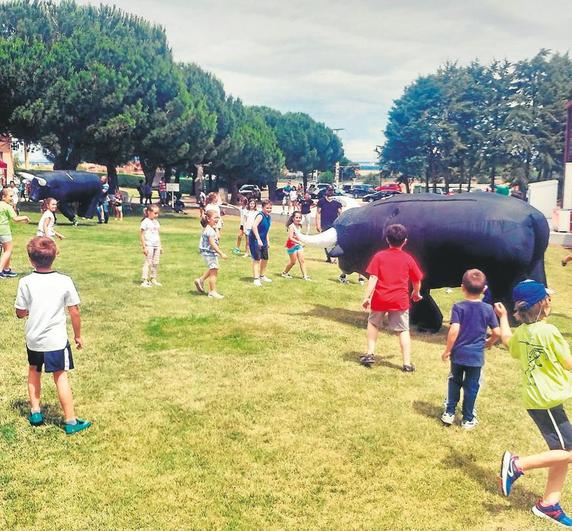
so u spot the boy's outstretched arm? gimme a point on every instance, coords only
(505, 331)
(366, 304)
(76, 325)
(494, 337)
(451, 338)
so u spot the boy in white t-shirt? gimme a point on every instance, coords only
(42, 297)
(151, 245)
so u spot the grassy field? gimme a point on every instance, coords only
(251, 412)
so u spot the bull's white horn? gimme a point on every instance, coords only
(41, 181)
(325, 239)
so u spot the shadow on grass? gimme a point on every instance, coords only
(379, 362)
(341, 315)
(520, 498)
(52, 413)
(429, 410)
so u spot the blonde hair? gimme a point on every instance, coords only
(535, 313)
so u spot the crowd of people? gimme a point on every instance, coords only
(542, 352)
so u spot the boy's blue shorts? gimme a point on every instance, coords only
(54, 360)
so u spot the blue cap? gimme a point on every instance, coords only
(529, 292)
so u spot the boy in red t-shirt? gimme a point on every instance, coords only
(390, 272)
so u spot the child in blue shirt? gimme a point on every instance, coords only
(466, 343)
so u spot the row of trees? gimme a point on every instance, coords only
(96, 84)
(482, 121)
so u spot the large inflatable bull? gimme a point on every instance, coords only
(67, 187)
(504, 237)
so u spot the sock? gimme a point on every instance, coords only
(33, 410)
(71, 422)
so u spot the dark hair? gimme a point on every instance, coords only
(474, 281)
(291, 218)
(266, 202)
(42, 251)
(395, 234)
(46, 202)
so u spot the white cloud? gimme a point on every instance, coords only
(345, 62)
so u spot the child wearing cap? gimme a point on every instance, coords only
(545, 362)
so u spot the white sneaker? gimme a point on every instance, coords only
(308, 278)
(155, 282)
(285, 275)
(469, 424)
(215, 295)
(257, 283)
(265, 279)
(448, 418)
(145, 284)
(199, 285)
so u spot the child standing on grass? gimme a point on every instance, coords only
(545, 362)
(387, 292)
(243, 213)
(42, 297)
(118, 205)
(466, 343)
(151, 246)
(210, 250)
(48, 219)
(7, 215)
(259, 243)
(294, 246)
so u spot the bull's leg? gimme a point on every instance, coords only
(91, 209)
(425, 314)
(67, 210)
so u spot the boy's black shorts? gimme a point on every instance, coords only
(554, 426)
(54, 360)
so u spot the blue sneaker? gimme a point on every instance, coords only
(78, 426)
(508, 473)
(8, 273)
(552, 512)
(36, 419)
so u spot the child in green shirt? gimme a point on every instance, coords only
(545, 362)
(7, 214)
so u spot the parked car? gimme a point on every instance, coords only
(389, 187)
(376, 196)
(359, 190)
(250, 191)
(322, 192)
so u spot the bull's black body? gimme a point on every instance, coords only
(504, 237)
(68, 187)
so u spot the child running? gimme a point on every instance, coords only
(259, 243)
(545, 363)
(7, 214)
(294, 246)
(151, 246)
(48, 219)
(466, 343)
(387, 292)
(43, 297)
(210, 250)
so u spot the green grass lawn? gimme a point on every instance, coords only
(251, 412)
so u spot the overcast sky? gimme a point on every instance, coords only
(344, 62)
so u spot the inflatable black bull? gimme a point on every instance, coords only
(67, 187)
(504, 237)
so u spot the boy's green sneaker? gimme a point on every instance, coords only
(78, 426)
(36, 419)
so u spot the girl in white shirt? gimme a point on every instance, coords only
(151, 246)
(48, 220)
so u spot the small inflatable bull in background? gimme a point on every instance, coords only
(67, 187)
(504, 237)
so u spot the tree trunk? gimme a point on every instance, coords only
(112, 179)
(233, 190)
(492, 177)
(70, 162)
(304, 181)
(427, 176)
(271, 189)
(149, 171)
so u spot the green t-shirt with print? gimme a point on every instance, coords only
(6, 215)
(542, 351)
